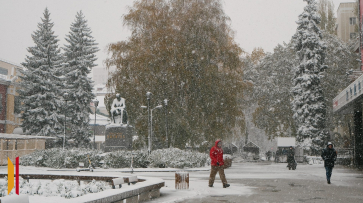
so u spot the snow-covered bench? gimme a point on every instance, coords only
(133, 179)
(117, 181)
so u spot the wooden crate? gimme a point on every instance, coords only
(181, 180)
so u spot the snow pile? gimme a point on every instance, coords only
(61, 188)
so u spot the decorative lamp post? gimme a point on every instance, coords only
(151, 124)
(148, 130)
(95, 102)
(166, 122)
(148, 96)
(149, 117)
(65, 97)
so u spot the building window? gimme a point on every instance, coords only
(351, 92)
(17, 105)
(353, 20)
(359, 86)
(347, 96)
(355, 89)
(3, 71)
(353, 35)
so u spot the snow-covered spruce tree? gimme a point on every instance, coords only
(308, 100)
(40, 84)
(79, 59)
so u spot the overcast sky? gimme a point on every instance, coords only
(257, 23)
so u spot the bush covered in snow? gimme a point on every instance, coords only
(58, 158)
(62, 188)
(176, 158)
(4, 186)
(122, 159)
(161, 158)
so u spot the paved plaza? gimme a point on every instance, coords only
(269, 182)
(250, 182)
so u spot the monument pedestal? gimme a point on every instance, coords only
(118, 137)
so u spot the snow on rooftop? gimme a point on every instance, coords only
(100, 120)
(285, 141)
(18, 137)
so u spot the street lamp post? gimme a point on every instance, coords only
(65, 97)
(166, 122)
(151, 123)
(148, 96)
(95, 102)
(149, 117)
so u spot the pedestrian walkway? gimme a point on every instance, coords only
(271, 182)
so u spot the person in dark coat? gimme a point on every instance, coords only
(291, 156)
(217, 164)
(329, 156)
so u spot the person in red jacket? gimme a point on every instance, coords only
(217, 164)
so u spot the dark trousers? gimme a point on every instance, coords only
(213, 172)
(328, 170)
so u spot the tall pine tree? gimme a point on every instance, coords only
(308, 100)
(40, 84)
(80, 57)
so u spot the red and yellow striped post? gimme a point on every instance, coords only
(11, 175)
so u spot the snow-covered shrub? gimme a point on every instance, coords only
(140, 159)
(58, 158)
(176, 158)
(160, 158)
(70, 189)
(32, 159)
(122, 159)
(4, 186)
(63, 188)
(118, 159)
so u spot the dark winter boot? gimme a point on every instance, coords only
(328, 181)
(226, 185)
(210, 185)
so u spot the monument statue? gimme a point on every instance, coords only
(118, 135)
(118, 110)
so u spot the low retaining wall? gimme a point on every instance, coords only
(142, 191)
(70, 177)
(145, 189)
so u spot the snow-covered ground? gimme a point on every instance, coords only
(267, 182)
(51, 196)
(250, 182)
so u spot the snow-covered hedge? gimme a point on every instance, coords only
(122, 159)
(176, 158)
(58, 158)
(63, 188)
